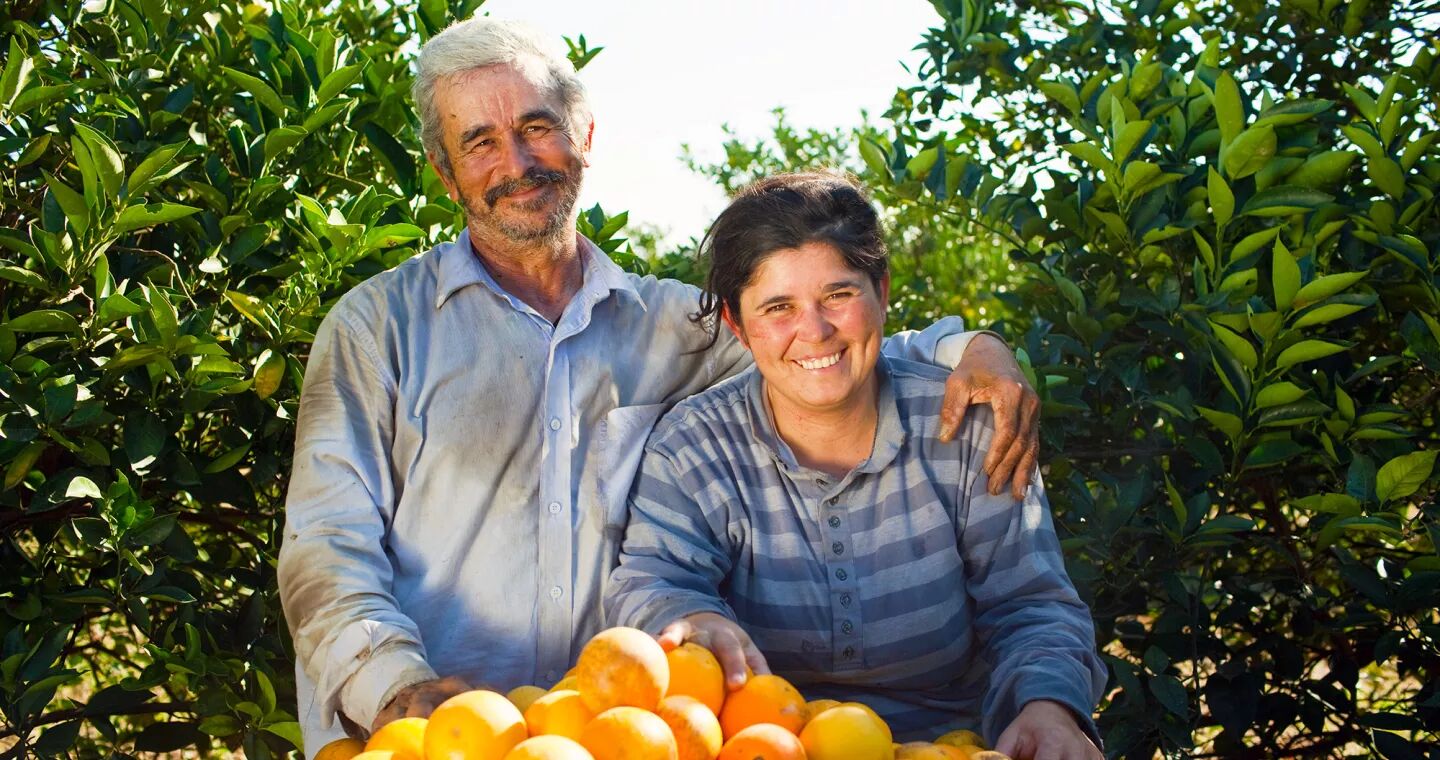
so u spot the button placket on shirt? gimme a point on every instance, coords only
(844, 613)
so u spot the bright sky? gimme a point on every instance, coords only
(674, 71)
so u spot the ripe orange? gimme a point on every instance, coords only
(816, 706)
(377, 754)
(523, 696)
(340, 749)
(763, 699)
(629, 733)
(762, 741)
(568, 682)
(694, 672)
(475, 725)
(849, 731)
(405, 737)
(549, 748)
(962, 738)
(560, 713)
(928, 751)
(622, 666)
(696, 729)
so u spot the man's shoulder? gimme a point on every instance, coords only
(398, 290)
(664, 293)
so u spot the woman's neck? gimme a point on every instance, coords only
(832, 441)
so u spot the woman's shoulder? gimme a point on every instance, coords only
(717, 414)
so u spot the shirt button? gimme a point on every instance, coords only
(849, 652)
(821, 482)
(844, 600)
(834, 521)
(837, 547)
(833, 501)
(841, 574)
(846, 627)
(554, 423)
(554, 507)
(555, 592)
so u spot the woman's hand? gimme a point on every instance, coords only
(729, 642)
(1046, 730)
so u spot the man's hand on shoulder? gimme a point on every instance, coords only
(988, 374)
(419, 700)
(1046, 730)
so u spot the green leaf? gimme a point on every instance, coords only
(117, 306)
(1292, 414)
(109, 166)
(1251, 150)
(1272, 452)
(876, 159)
(1334, 503)
(1092, 155)
(1238, 346)
(1403, 475)
(71, 202)
(227, 460)
(336, 82)
(18, 68)
(1229, 110)
(1063, 93)
(1225, 422)
(23, 276)
(264, 94)
(1253, 242)
(1322, 313)
(1170, 694)
(1285, 200)
(391, 235)
(287, 730)
(44, 320)
(1222, 201)
(1416, 149)
(220, 725)
(1129, 138)
(1322, 171)
(153, 164)
(149, 215)
(1284, 276)
(1387, 175)
(1293, 111)
(282, 139)
(1306, 350)
(1278, 393)
(1323, 287)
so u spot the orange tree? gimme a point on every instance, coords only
(1226, 220)
(186, 188)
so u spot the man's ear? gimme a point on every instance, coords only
(734, 325)
(587, 143)
(446, 178)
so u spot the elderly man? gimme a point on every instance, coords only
(471, 419)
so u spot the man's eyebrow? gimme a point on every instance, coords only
(479, 130)
(540, 114)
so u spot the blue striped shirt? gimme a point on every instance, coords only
(904, 584)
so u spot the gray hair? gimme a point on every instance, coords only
(484, 41)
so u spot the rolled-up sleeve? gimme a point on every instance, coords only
(334, 576)
(1030, 623)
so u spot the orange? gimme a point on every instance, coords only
(928, 751)
(376, 754)
(849, 731)
(696, 729)
(622, 666)
(475, 725)
(568, 682)
(762, 741)
(561, 713)
(405, 737)
(694, 672)
(629, 733)
(989, 754)
(962, 738)
(523, 696)
(763, 699)
(340, 749)
(816, 706)
(549, 748)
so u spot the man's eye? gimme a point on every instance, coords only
(537, 130)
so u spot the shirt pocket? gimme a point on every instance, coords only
(619, 444)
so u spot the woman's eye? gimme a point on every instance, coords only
(776, 308)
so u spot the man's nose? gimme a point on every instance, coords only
(515, 158)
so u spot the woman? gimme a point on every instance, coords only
(804, 516)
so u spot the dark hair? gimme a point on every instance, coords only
(786, 211)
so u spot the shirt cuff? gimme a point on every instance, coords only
(1074, 702)
(655, 617)
(387, 671)
(949, 349)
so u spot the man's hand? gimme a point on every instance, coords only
(1046, 730)
(419, 700)
(988, 374)
(722, 636)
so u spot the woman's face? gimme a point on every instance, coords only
(815, 326)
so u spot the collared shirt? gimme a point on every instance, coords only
(460, 469)
(904, 584)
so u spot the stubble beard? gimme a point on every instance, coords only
(482, 215)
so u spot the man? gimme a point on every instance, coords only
(471, 419)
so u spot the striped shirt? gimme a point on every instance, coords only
(904, 584)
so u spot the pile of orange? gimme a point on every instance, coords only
(628, 699)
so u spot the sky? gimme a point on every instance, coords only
(675, 71)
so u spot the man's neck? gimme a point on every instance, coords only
(545, 274)
(834, 441)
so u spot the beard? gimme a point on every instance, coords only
(483, 215)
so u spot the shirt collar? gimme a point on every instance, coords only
(889, 431)
(460, 268)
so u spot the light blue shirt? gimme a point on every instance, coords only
(461, 467)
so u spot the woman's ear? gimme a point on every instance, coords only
(733, 324)
(885, 289)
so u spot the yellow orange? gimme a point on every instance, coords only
(475, 725)
(559, 713)
(762, 741)
(849, 731)
(928, 751)
(694, 672)
(523, 696)
(962, 738)
(405, 737)
(763, 699)
(816, 706)
(629, 733)
(622, 666)
(549, 748)
(568, 682)
(696, 729)
(376, 754)
(340, 749)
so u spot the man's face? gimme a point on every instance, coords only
(513, 164)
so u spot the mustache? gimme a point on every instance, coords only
(532, 178)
